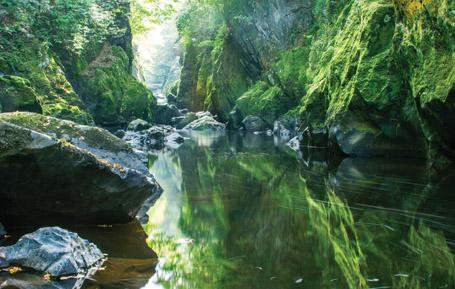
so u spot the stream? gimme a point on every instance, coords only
(245, 212)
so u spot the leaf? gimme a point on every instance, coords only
(14, 270)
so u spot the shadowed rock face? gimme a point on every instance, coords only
(52, 169)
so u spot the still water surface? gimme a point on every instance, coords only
(245, 212)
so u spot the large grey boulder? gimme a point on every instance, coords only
(255, 124)
(205, 123)
(52, 250)
(52, 170)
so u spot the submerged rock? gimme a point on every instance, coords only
(255, 123)
(205, 123)
(138, 125)
(52, 250)
(58, 170)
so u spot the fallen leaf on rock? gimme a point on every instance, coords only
(14, 270)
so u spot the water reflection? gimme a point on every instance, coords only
(245, 213)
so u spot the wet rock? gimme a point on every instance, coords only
(165, 113)
(205, 123)
(286, 127)
(154, 138)
(171, 98)
(294, 143)
(138, 125)
(52, 250)
(184, 111)
(201, 114)
(120, 133)
(74, 173)
(315, 137)
(357, 136)
(185, 120)
(174, 140)
(254, 123)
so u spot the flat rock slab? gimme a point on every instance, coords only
(52, 250)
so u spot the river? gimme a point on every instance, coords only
(246, 212)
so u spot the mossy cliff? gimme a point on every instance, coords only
(72, 60)
(376, 77)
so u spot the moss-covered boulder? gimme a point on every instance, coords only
(75, 173)
(16, 93)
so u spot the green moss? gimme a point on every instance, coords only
(16, 93)
(31, 60)
(93, 136)
(291, 72)
(229, 79)
(356, 66)
(113, 94)
(263, 100)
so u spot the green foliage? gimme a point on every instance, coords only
(200, 20)
(147, 13)
(69, 24)
(263, 100)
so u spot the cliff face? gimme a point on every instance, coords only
(74, 57)
(372, 77)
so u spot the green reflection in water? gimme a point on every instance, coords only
(244, 213)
